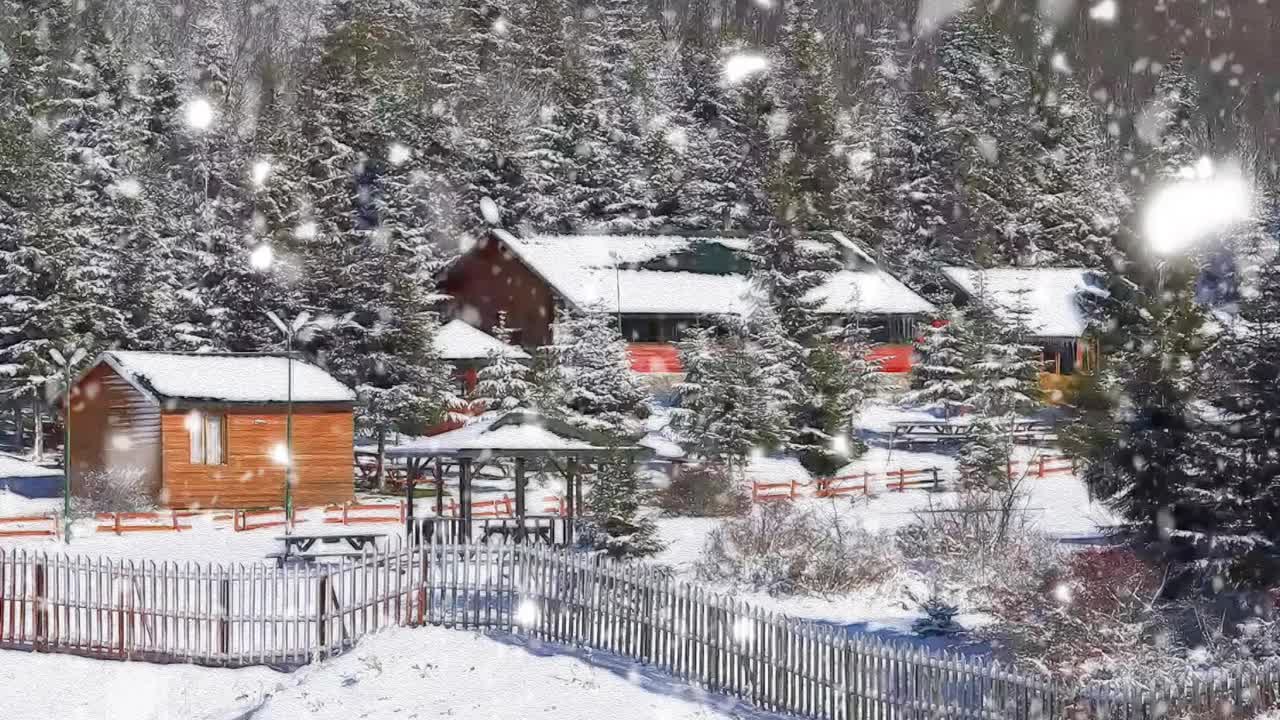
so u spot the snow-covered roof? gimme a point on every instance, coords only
(457, 340)
(228, 378)
(1051, 296)
(515, 433)
(599, 272)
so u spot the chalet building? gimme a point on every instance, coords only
(1053, 302)
(468, 349)
(208, 430)
(659, 286)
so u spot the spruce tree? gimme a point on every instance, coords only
(617, 527)
(939, 381)
(1002, 380)
(599, 390)
(808, 167)
(502, 384)
(723, 409)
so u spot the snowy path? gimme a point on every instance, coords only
(403, 673)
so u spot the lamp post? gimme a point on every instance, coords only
(290, 331)
(65, 363)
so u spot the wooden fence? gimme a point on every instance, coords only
(257, 614)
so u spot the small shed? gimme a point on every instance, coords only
(468, 349)
(209, 429)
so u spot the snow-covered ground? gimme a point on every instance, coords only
(402, 673)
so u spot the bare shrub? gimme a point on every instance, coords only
(977, 549)
(781, 549)
(1093, 619)
(704, 491)
(117, 489)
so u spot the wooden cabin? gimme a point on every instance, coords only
(659, 286)
(1053, 303)
(208, 430)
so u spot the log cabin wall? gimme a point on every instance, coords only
(251, 477)
(113, 425)
(489, 280)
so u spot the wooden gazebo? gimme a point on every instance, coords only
(518, 435)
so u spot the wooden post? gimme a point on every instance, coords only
(438, 476)
(571, 505)
(1040, 468)
(464, 499)
(406, 510)
(38, 614)
(224, 618)
(322, 609)
(520, 491)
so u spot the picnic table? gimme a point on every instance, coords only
(912, 431)
(298, 547)
(534, 526)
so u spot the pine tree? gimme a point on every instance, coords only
(979, 100)
(1170, 131)
(723, 410)
(502, 384)
(365, 259)
(1242, 371)
(1002, 379)
(808, 169)
(32, 248)
(599, 391)
(1160, 463)
(939, 381)
(616, 526)
(1078, 199)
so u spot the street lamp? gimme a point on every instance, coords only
(66, 364)
(290, 331)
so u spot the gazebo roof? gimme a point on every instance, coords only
(518, 433)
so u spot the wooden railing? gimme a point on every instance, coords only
(230, 615)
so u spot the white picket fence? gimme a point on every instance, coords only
(230, 615)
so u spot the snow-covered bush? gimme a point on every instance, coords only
(616, 525)
(781, 550)
(939, 617)
(976, 552)
(117, 489)
(704, 491)
(1093, 619)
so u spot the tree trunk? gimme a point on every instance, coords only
(382, 447)
(39, 428)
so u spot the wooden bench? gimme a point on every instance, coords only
(284, 558)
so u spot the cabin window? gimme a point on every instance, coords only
(208, 435)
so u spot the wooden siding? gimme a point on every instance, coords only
(489, 280)
(323, 452)
(113, 425)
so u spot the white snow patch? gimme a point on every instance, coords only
(933, 14)
(740, 66)
(1104, 11)
(457, 340)
(489, 211)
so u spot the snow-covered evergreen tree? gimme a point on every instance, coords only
(616, 526)
(724, 411)
(502, 384)
(940, 380)
(979, 99)
(808, 168)
(1002, 382)
(599, 390)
